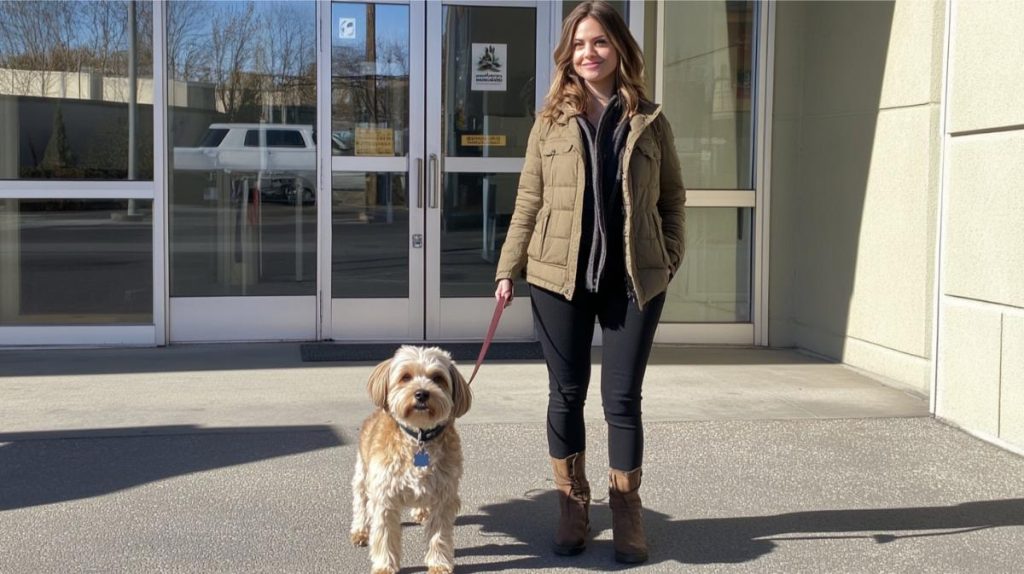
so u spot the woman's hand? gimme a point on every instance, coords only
(504, 290)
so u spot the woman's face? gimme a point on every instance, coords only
(593, 57)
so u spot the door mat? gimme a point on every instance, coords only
(464, 353)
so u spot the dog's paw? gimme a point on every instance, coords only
(420, 515)
(440, 570)
(360, 537)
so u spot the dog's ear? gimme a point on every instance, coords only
(378, 384)
(461, 395)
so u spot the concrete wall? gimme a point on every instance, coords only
(980, 366)
(94, 86)
(855, 179)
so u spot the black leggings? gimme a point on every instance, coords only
(565, 329)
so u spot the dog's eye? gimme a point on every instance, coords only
(438, 380)
(406, 377)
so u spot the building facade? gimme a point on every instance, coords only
(198, 171)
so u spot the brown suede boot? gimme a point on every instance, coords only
(627, 516)
(574, 502)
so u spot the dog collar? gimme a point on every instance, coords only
(423, 435)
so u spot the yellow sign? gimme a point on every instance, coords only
(375, 141)
(481, 140)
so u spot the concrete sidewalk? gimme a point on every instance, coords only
(237, 458)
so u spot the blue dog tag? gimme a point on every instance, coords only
(421, 458)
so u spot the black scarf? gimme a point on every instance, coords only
(611, 119)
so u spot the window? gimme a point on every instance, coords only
(242, 222)
(707, 78)
(275, 138)
(213, 137)
(76, 262)
(285, 138)
(76, 90)
(702, 57)
(370, 79)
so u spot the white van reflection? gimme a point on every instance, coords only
(284, 155)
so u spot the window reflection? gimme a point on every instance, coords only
(370, 222)
(76, 262)
(481, 119)
(713, 283)
(370, 79)
(76, 90)
(477, 209)
(707, 90)
(242, 112)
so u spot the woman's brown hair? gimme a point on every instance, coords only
(568, 93)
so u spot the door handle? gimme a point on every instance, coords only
(420, 176)
(435, 175)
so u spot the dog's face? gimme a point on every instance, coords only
(420, 387)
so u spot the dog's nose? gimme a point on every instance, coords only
(421, 395)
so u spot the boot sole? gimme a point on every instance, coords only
(568, 550)
(630, 558)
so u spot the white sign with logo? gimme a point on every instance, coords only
(346, 28)
(490, 67)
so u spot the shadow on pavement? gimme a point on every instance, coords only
(691, 355)
(48, 467)
(132, 360)
(256, 356)
(530, 522)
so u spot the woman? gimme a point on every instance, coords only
(598, 230)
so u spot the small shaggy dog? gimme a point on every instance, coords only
(410, 456)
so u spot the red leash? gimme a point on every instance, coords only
(490, 335)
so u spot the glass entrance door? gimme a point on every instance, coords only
(431, 107)
(483, 63)
(374, 229)
(356, 189)
(242, 193)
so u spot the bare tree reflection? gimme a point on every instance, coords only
(65, 70)
(252, 54)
